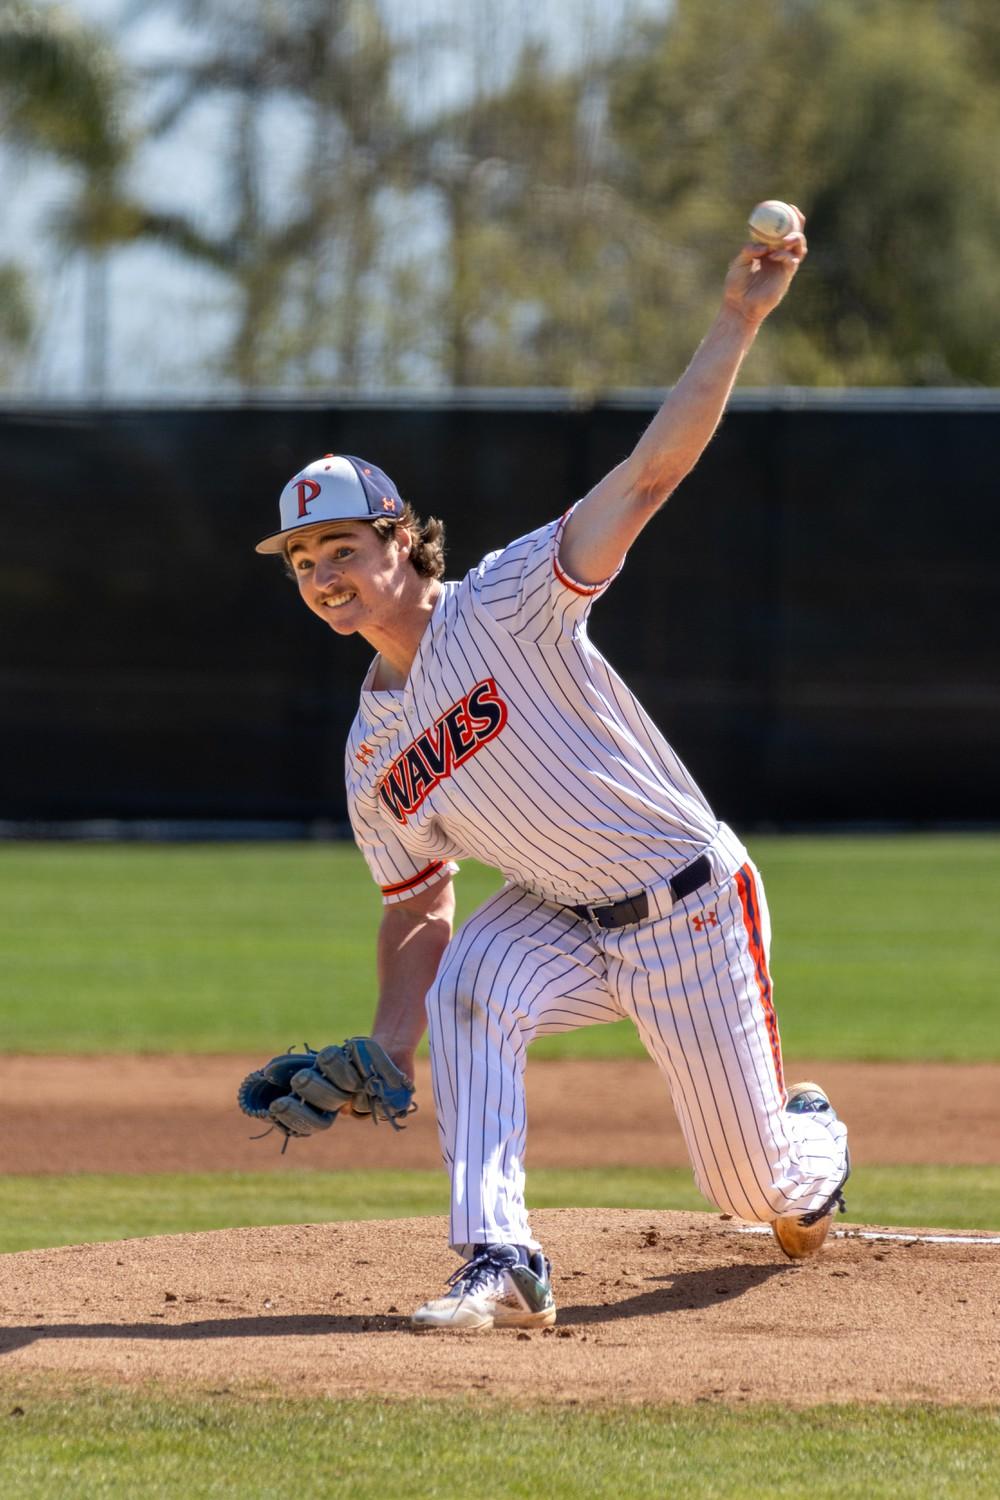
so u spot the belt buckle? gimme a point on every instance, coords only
(592, 912)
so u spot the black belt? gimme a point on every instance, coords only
(636, 908)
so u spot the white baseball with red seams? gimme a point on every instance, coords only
(771, 221)
(514, 742)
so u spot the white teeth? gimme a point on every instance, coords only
(338, 599)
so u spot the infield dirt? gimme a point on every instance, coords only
(653, 1306)
(178, 1114)
(662, 1307)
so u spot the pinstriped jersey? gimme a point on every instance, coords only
(514, 742)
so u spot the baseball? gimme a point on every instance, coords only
(771, 221)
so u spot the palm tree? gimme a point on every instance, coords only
(299, 272)
(61, 94)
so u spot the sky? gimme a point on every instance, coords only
(156, 321)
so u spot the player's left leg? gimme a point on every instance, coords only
(697, 983)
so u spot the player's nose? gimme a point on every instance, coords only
(325, 574)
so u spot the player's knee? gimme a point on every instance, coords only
(464, 987)
(748, 1200)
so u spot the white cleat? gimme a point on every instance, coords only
(802, 1235)
(493, 1290)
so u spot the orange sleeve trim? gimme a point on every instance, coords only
(407, 885)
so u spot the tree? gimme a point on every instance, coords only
(570, 226)
(877, 118)
(60, 94)
(299, 236)
(593, 257)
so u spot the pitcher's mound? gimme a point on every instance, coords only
(652, 1307)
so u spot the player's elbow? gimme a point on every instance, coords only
(425, 922)
(656, 479)
(437, 902)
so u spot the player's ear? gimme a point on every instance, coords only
(404, 540)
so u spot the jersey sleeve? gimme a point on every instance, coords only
(526, 590)
(397, 873)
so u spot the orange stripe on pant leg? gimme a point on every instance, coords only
(755, 937)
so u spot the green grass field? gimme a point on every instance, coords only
(92, 1444)
(884, 947)
(86, 1207)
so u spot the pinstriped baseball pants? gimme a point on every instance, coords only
(695, 983)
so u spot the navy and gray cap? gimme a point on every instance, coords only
(335, 487)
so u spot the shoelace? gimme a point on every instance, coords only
(477, 1271)
(836, 1201)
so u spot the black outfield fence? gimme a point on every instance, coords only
(812, 619)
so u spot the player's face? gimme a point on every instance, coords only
(349, 576)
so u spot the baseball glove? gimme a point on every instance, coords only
(299, 1093)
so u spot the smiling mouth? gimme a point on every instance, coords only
(337, 600)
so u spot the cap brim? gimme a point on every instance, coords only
(275, 543)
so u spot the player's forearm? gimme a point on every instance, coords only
(681, 430)
(410, 945)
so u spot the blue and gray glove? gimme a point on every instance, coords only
(302, 1092)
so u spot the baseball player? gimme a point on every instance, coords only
(490, 727)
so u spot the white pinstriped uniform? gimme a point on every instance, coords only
(514, 742)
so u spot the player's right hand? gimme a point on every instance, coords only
(760, 275)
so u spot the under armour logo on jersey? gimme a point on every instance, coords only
(705, 919)
(307, 490)
(460, 732)
(364, 753)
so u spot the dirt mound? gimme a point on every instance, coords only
(662, 1307)
(178, 1114)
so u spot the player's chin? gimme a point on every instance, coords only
(342, 626)
(344, 619)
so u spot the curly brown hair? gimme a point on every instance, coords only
(427, 552)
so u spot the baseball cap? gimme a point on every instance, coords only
(335, 487)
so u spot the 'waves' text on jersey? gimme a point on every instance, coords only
(462, 730)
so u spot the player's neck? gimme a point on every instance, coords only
(398, 643)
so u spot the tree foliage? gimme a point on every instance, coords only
(61, 95)
(301, 277)
(59, 85)
(880, 120)
(570, 227)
